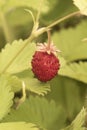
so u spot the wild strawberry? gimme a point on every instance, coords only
(45, 64)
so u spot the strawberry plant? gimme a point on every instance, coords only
(43, 65)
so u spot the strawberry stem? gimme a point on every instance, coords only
(49, 39)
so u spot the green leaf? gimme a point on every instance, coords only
(78, 123)
(68, 93)
(5, 96)
(70, 42)
(39, 111)
(82, 5)
(15, 83)
(16, 57)
(18, 126)
(77, 71)
(33, 84)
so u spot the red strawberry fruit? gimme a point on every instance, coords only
(45, 64)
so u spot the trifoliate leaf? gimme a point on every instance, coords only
(70, 42)
(39, 111)
(33, 84)
(78, 123)
(82, 5)
(16, 57)
(77, 71)
(18, 126)
(5, 96)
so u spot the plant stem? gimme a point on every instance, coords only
(36, 21)
(49, 38)
(7, 33)
(30, 12)
(64, 18)
(22, 99)
(39, 11)
(36, 34)
(44, 29)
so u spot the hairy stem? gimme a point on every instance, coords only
(35, 34)
(49, 38)
(64, 18)
(36, 23)
(44, 29)
(22, 99)
(39, 11)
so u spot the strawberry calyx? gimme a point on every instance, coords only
(49, 48)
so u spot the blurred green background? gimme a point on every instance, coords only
(68, 90)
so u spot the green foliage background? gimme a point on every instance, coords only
(55, 105)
